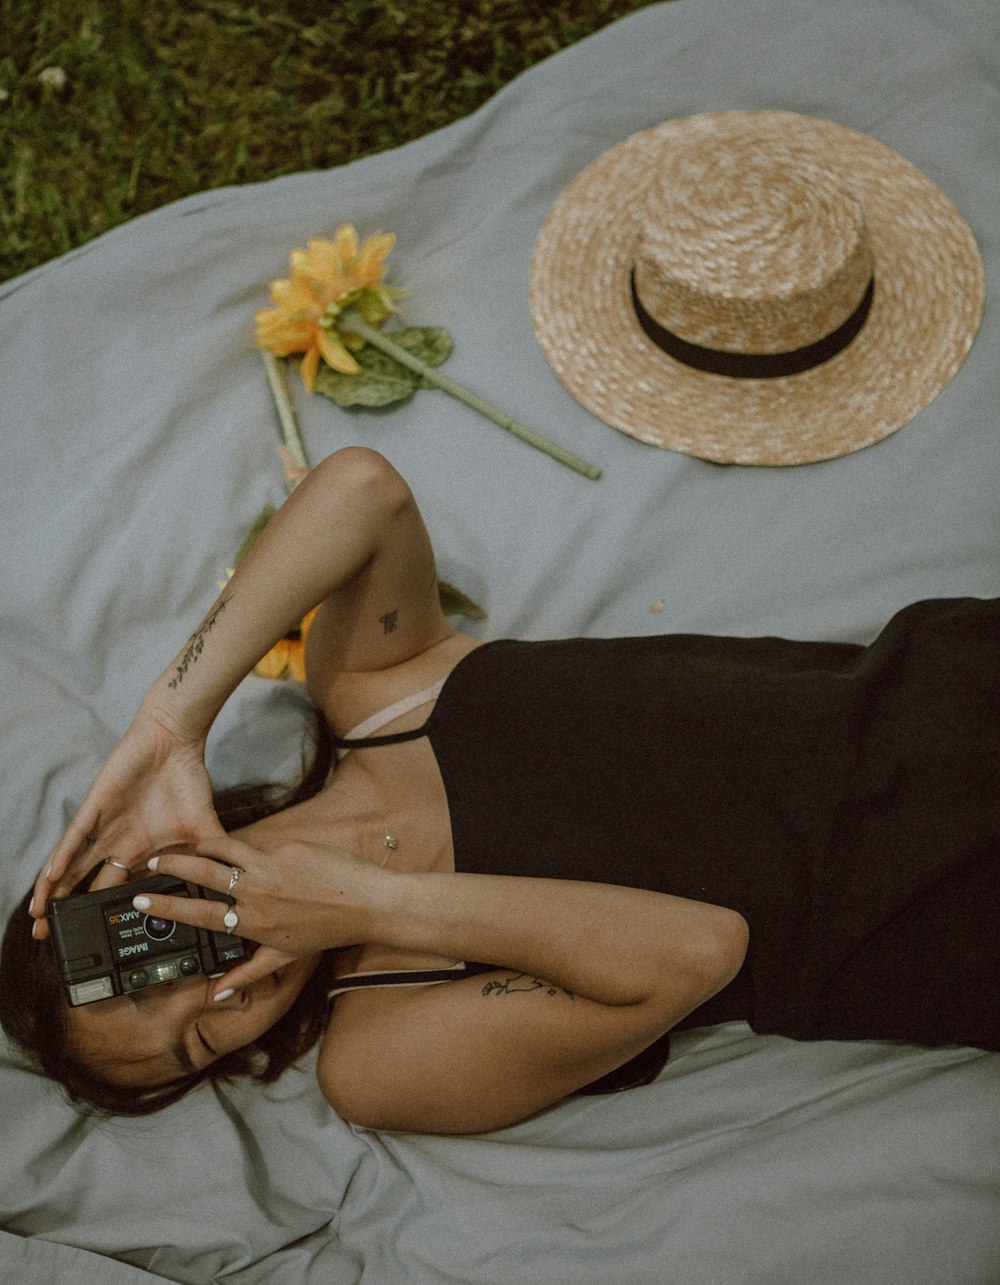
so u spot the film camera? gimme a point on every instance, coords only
(105, 947)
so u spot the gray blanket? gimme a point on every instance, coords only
(139, 443)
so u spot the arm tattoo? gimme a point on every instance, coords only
(196, 643)
(389, 621)
(523, 983)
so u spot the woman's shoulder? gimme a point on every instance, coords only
(349, 699)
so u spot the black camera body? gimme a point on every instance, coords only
(104, 947)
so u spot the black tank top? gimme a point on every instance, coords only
(818, 788)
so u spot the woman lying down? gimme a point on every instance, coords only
(534, 859)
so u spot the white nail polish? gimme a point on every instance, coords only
(153, 863)
(140, 903)
(223, 995)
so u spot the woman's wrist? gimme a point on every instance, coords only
(184, 724)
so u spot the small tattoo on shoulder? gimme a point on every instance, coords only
(196, 643)
(523, 983)
(389, 621)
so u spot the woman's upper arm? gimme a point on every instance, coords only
(477, 1054)
(390, 610)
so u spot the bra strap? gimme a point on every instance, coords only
(406, 977)
(346, 743)
(361, 736)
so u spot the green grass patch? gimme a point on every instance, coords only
(159, 101)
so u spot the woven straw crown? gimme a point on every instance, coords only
(755, 287)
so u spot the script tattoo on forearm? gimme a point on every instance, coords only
(388, 621)
(196, 643)
(523, 983)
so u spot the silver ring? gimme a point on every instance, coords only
(231, 920)
(110, 861)
(234, 878)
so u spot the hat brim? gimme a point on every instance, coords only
(927, 305)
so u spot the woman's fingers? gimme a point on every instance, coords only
(77, 837)
(196, 869)
(264, 961)
(113, 872)
(71, 848)
(89, 841)
(71, 845)
(216, 876)
(198, 912)
(118, 857)
(224, 848)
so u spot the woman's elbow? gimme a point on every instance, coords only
(738, 941)
(721, 952)
(730, 946)
(368, 1106)
(349, 1103)
(364, 473)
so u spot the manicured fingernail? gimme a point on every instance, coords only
(223, 995)
(31, 906)
(36, 928)
(140, 903)
(153, 863)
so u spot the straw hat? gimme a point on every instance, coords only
(755, 288)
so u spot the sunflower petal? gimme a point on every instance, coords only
(310, 364)
(371, 266)
(307, 623)
(297, 663)
(274, 664)
(336, 355)
(346, 241)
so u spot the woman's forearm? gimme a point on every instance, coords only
(612, 944)
(318, 542)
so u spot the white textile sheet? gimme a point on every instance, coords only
(138, 445)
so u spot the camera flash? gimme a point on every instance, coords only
(88, 992)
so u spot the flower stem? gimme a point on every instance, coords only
(356, 325)
(278, 380)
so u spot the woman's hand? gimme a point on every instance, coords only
(349, 538)
(153, 792)
(295, 899)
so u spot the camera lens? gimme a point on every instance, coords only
(158, 929)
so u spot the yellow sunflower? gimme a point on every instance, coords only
(287, 658)
(325, 279)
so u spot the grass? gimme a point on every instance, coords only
(159, 101)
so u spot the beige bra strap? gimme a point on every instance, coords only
(397, 709)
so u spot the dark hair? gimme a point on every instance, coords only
(35, 1016)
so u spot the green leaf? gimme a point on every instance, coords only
(430, 344)
(455, 603)
(382, 380)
